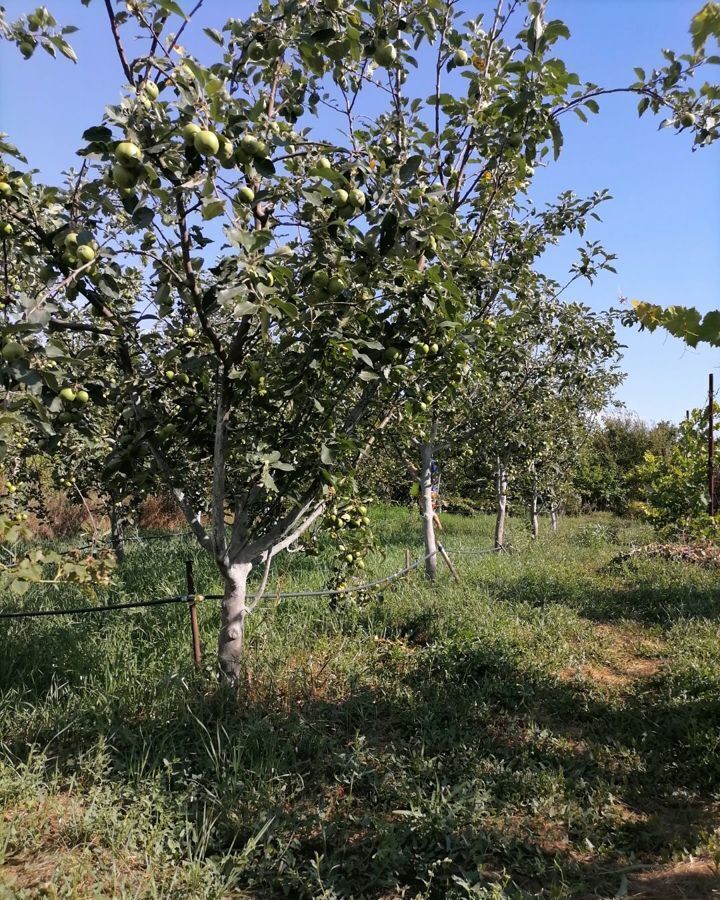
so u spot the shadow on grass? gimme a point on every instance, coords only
(447, 767)
(632, 599)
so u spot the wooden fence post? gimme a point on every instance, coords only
(448, 563)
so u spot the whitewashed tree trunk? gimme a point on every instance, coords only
(233, 614)
(426, 455)
(501, 486)
(554, 515)
(534, 522)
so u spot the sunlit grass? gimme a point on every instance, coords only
(545, 728)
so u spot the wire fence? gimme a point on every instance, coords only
(267, 595)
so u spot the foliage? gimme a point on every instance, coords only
(674, 485)
(609, 455)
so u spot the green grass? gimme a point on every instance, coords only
(548, 728)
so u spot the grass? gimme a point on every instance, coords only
(548, 728)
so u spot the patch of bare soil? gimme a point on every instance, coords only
(696, 879)
(630, 654)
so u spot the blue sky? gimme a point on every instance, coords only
(663, 223)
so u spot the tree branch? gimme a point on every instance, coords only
(118, 43)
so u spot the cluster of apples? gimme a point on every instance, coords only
(6, 192)
(74, 395)
(348, 520)
(79, 251)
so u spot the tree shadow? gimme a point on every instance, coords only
(453, 766)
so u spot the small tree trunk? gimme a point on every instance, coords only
(117, 532)
(427, 510)
(232, 626)
(501, 485)
(554, 515)
(534, 524)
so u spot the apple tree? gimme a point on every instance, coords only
(265, 239)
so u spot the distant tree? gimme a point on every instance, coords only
(673, 485)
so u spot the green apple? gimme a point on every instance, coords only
(206, 143)
(68, 394)
(245, 194)
(5, 189)
(71, 241)
(385, 54)
(226, 153)
(362, 510)
(26, 48)
(460, 58)
(515, 140)
(85, 253)
(335, 286)
(321, 279)
(189, 131)
(434, 348)
(349, 557)
(341, 197)
(169, 374)
(185, 73)
(6, 229)
(12, 351)
(128, 154)
(424, 348)
(256, 51)
(189, 332)
(250, 145)
(150, 89)
(687, 119)
(324, 164)
(82, 396)
(124, 178)
(356, 197)
(391, 354)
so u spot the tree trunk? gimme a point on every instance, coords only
(232, 626)
(427, 510)
(501, 485)
(554, 515)
(117, 533)
(534, 524)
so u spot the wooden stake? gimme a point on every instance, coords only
(711, 445)
(192, 607)
(448, 563)
(407, 558)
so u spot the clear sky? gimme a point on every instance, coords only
(663, 223)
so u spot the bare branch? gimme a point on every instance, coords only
(118, 43)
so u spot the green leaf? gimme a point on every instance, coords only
(557, 138)
(171, 7)
(326, 456)
(99, 133)
(214, 36)
(410, 167)
(388, 233)
(264, 167)
(705, 24)
(212, 208)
